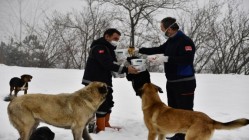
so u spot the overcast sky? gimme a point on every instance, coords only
(32, 9)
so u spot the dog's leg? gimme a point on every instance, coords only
(26, 132)
(201, 133)
(11, 90)
(16, 91)
(161, 136)
(25, 91)
(86, 135)
(23, 121)
(77, 132)
(152, 136)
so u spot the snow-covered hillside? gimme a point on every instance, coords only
(222, 97)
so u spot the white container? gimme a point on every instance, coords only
(121, 54)
(139, 64)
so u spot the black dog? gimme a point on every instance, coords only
(42, 133)
(138, 80)
(17, 84)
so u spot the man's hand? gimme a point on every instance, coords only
(132, 51)
(132, 70)
(158, 59)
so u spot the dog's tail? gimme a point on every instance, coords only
(231, 125)
(9, 98)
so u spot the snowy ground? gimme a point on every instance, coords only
(222, 97)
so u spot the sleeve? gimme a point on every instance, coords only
(185, 55)
(153, 50)
(104, 58)
(129, 77)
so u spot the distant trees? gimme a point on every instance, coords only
(137, 16)
(219, 30)
(221, 35)
(64, 39)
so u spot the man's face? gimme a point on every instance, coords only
(162, 27)
(167, 31)
(113, 37)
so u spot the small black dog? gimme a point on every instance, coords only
(42, 133)
(17, 84)
(138, 80)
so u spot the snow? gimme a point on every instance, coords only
(222, 97)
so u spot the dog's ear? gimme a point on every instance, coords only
(103, 89)
(159, 89)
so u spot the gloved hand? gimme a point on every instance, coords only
(158, 59)
(133, 51)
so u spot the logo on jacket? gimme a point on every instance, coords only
(188, 48)
(101, 51)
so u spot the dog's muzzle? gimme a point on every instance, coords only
(103, 90)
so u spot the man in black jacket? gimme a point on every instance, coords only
(100, 65)
(178, 56)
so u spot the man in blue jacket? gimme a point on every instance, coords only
(178, 57)
(101, 63)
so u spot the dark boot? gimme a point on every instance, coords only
(177, 136)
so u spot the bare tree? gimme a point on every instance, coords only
(231, 36)
(21, 13)
(221, 39)
(198, 27)
(140, 12)
(77, 31)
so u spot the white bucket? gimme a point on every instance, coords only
(139, 64)
(121, 54)
(138, 61)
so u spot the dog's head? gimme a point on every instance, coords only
(26, 77)
(97, 91)
(149, 88)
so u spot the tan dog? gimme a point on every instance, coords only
(71, 111)
(161, 119)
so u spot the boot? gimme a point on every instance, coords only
(107, 118)
(100, 122)
(107, 124)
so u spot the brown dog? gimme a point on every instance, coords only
(161, 119)
(71, 111)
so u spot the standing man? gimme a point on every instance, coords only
(178, 57)
(100, 65)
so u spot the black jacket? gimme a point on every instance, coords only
(101, 63)
(181, 50)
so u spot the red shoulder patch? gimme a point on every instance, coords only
(188, 48)
(101, 51)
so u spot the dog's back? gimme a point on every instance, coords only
(16, 82)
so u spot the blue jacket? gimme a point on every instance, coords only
(180, 50)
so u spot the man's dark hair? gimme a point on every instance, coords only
(111, 31)
(169, 21)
